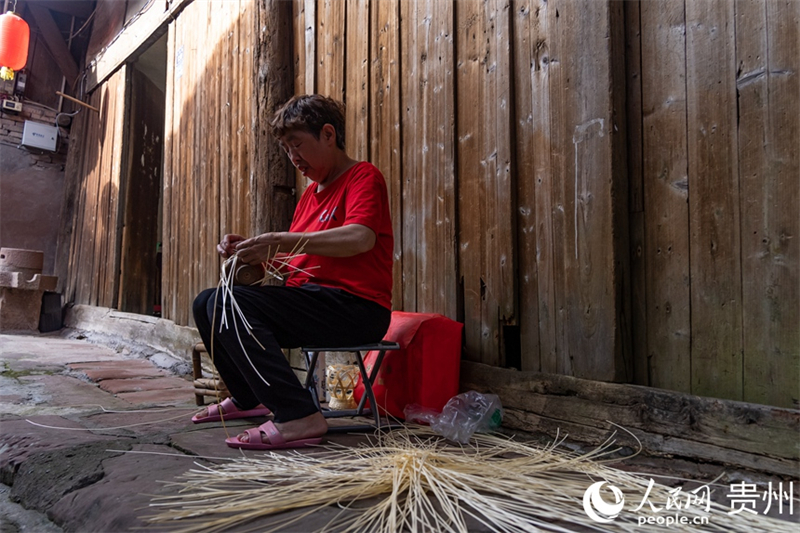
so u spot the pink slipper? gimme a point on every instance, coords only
(229, 412)
(276, 440)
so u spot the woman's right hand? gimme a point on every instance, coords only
(227, 246)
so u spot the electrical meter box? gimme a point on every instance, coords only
(38, 135)
(11, 106)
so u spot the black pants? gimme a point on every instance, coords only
(282, 317)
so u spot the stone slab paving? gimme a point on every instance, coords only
(59, 394)
(91, 460)
(123, 369)
(157, 396)
(24, 438)
(53, 349)
(88, 436)
(117, 386)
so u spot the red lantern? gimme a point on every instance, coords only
(14, 37)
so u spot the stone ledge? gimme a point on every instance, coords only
(139, 333)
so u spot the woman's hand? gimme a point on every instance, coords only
(258, 249)
(227, 246)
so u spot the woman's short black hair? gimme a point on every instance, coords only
(309, 113)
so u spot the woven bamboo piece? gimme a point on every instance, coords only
(340, 382)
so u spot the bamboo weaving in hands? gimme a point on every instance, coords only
(234, 272)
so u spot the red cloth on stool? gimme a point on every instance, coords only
(424, 371)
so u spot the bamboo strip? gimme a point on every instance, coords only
(419, 482)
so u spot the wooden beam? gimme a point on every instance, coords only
(663, 422)
(54, 41)
(79, 102)
(147, 28)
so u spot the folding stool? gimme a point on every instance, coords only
(311, 356)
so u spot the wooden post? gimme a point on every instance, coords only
(272, 199)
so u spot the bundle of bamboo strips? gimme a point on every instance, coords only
(423, 483)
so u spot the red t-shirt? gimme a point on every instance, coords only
(356, 197)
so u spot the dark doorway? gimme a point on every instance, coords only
(140, 268)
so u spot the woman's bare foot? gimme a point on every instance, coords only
(303, 428)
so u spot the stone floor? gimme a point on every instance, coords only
(89, 434)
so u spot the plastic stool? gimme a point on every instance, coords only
(311, 356)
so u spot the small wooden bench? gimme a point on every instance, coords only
(205, 386)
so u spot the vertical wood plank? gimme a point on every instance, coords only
(558, 142)
(500, 308)
(181, 59)
(311, 83)
(357, 85)
(471, 50)
(409, 23)
(445, 196)
(331, 47)
(71, 208)
(540, 42)
(537, 316)
(435, 180)
(385, 119)
(589, 161)
(201, 179)
(311, 47)
(191, 117)
(666, 196)
(76, 273)
(170, 156)
(428, 186)
(767, 53)
(714, 200)
(91, 278)
(113, 236)
(299, 48)
(226, 139)
(245, 131)
(106, 182)
(524, 60)
(179, 214)
(426, 132)
(633, 93)
(221, 73)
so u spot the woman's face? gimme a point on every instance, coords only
(312, 156)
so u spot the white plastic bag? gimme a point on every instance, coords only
(462, 416)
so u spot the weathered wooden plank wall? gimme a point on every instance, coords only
(566, 176)
(716, 259)
(209, 143)
(94, 257)
(497, 224)
(569, 135)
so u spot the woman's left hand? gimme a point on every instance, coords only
(258, 249)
